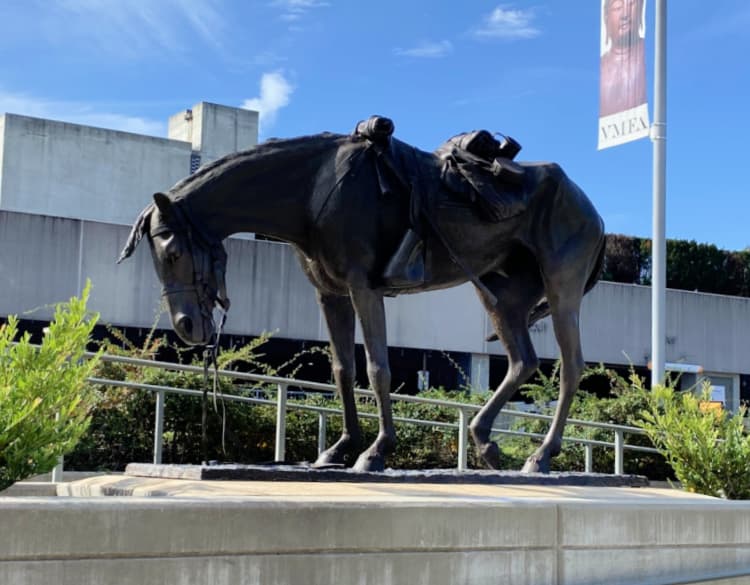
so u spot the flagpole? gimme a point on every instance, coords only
(659, 249)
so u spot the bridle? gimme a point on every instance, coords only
(209, 260)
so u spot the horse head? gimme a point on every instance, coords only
(189, 264)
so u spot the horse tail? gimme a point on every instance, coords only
(541, 309)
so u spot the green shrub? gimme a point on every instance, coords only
(122, 428)
(45, 402)
(623, 406)
(708, 449)
(123, 423)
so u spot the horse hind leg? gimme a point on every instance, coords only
(516, 295)
(567, 264)
(565, 309)
(339, 316)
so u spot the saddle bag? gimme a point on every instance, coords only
(484, 145)
(376, 129)
(479, 168)
(480, 143)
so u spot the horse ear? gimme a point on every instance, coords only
(136, 234)
(163, 203)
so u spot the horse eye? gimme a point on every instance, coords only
(171, 250)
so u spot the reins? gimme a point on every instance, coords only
(210, 354)
(208, 258)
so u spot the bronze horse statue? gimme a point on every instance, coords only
(323, 194)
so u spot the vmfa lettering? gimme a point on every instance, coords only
(623, 126)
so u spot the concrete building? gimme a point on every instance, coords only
(69, 193)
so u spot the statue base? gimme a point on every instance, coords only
(308, 473)
(337, 531)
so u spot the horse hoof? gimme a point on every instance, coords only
(480, 434)
(343, 452)
(333, 457)
(369, 462)
(535, 465)
(491, 455)
(324, 461)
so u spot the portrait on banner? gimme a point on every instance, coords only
(623, 105)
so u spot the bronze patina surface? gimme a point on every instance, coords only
(337, 199)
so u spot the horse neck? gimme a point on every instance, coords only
(265, 190)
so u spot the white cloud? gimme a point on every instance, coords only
(78, 113)
(426, 49)
(266, 59)
(134, 28)
(275, 92)
(294, 10)
(508, 24)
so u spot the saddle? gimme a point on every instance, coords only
(475, 166)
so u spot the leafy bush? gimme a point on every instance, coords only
(122, 428)
(45, 402)
(626, 401)
(708, 449)
(123, 424)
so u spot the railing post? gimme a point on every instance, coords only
(280, 451)
(619, 452)
(589, 461)
(463, 435)
(159, 426)
(57, 471)
(322, 423)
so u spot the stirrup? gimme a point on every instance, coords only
(406, 269)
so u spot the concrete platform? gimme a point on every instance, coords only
(197, 532)
(335, 473)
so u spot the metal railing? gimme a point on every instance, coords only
(716, 577)
(283, 405)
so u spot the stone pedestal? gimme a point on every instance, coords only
(181, 532)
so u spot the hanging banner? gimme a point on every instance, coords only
(623, 108)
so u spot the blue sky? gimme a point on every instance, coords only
(528, 69)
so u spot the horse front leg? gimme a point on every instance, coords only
(339, 316)
(369, 307)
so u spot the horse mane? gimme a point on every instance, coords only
(290, 145)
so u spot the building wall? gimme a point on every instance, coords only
(80, 172)
(45, 260)
(39, 263)
(214, 130)
(2, 144)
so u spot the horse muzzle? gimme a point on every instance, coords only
(192, 330)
